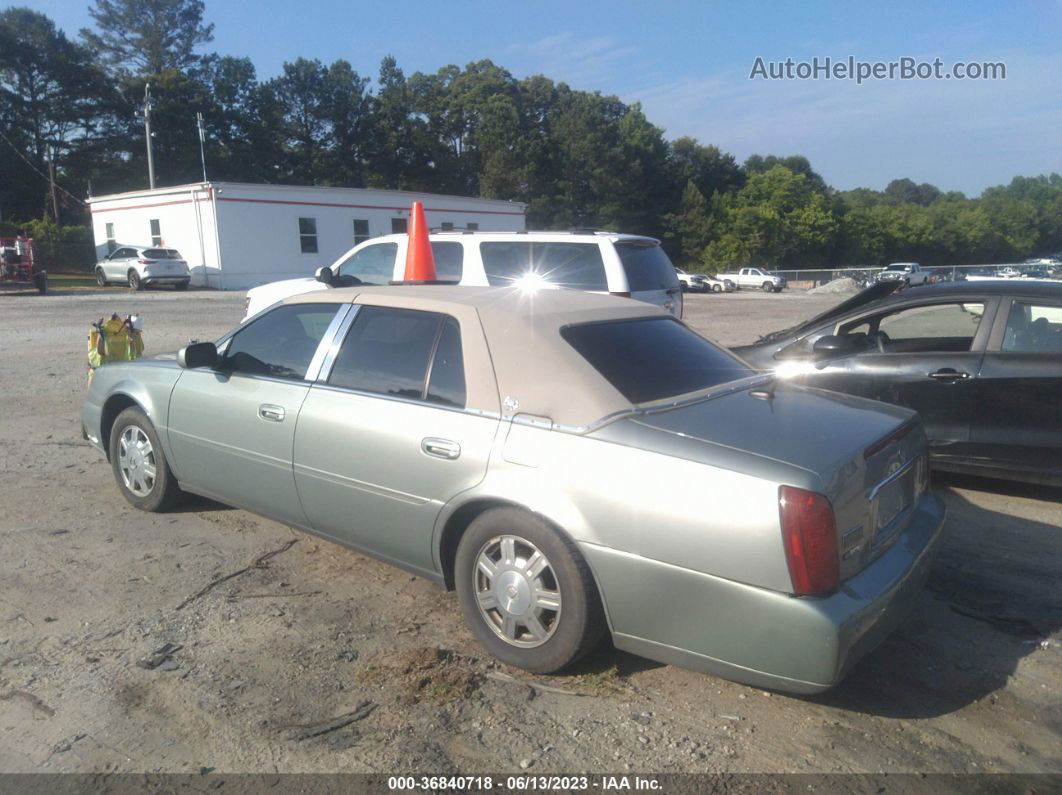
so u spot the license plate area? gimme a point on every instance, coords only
(892, 503)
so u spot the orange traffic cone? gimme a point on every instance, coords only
(420, 263)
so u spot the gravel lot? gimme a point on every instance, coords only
(309, 657)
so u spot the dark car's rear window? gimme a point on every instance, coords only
(647, 266)
(162, 253)
(653, 358)
(575, 265)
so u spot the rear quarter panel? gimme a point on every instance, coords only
(662, 507)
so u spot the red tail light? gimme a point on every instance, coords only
(809, 533)
(145, 261)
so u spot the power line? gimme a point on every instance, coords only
(39, 173)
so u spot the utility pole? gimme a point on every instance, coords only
(51, 185)
(147, 134)
(202, 142)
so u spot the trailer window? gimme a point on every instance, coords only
(111, 244)
(361, 231)
(156, 232)
(308, 235)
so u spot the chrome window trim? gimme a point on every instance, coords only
(327, 344)
(336, 343)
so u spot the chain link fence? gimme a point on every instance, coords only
(864, 277)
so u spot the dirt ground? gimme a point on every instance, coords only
(208, 638)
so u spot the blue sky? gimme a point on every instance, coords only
(688, 63)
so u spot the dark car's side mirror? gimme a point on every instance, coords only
(198, 354)
(324, 275)
(832, 346)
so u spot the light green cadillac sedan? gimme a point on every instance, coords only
(522, 448)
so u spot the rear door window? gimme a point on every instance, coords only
(449, 260)
(574, 265)
(1033, 328)
(390, 352)
(373, 264)
(281, 342)
(647, 266)
(653, 358)
(446, 383)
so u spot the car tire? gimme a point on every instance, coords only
(134, 280)
(40, 280)
(181, 286)
(531, 557)
(135, 454)
(717, 288)
(767, 287)
(101, 279)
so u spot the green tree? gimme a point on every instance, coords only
(147, 37)
(777, 219)
(690, 227)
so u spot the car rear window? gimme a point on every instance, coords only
(574, 265)
(162, 253)
(647, 266)
(653, 358)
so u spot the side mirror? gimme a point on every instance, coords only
(324, 275)
(832, 346)
(198, 354)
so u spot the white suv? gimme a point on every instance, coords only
(604, 262)
(140, 267)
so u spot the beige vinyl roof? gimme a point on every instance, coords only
(518, 353)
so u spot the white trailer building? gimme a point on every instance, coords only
(237, 235)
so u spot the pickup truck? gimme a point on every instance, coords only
(910, 272)
(756, 277)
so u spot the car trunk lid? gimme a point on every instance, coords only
(867, 458)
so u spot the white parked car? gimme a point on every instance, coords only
(140, 267)
(703, 283)
(602, 262)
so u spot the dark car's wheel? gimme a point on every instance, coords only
(767, 287)
(139, 465)
(527, 594)
(40, 279)
(181, 286)
(134, 280)
(101, 280)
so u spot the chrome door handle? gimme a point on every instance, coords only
(267, 411)
(440, 448)
(947, 374)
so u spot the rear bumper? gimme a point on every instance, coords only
(167, 279)
(761, 637)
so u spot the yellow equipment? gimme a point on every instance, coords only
(114, 340)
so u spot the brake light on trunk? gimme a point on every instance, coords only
(145, 262)
(809, 533)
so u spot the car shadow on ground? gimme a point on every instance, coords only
(193, 503)
(993, 596)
